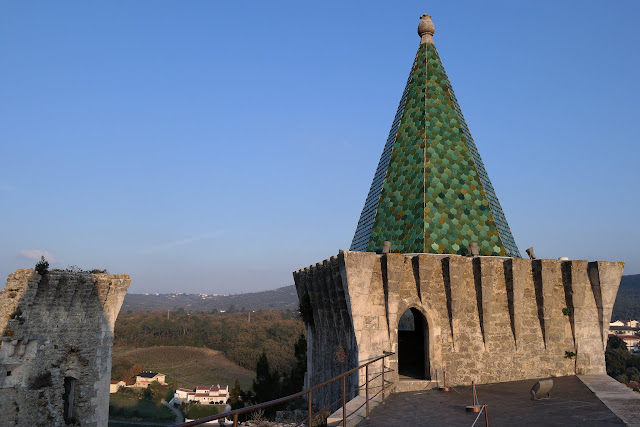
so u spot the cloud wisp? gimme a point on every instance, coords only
(35, 255)
(176, 243)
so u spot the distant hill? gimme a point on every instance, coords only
(281, 299)
(627, 304)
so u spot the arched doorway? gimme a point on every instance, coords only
(413, 346)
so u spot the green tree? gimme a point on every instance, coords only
(147, 394)
(615, 341)
(294, 382)
(234, 396)
(119, 367)
(169, 395)
(621, 364)
(267, 383)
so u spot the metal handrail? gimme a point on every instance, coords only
(309, 393)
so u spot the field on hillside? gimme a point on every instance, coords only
(242, 337)
(189, 366)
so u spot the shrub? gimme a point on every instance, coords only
(147, 394)
(42, 266)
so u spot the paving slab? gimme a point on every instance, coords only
(623, 401)
(509, 404)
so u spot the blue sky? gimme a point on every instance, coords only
(218, 146)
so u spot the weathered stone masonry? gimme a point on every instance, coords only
(489, 319)
(55, 359)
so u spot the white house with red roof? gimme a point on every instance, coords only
(184, 394)
(214, 394)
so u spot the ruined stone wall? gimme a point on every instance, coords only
(55, 358)
(489, 319)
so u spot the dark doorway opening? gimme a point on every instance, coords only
(68, 398)
(413, 346)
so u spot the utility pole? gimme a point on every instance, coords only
(167, 314)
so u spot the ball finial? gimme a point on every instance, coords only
(426, 29)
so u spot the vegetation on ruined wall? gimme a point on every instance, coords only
(42, 266)
(241, 340)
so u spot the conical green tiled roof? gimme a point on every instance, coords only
(431, 192)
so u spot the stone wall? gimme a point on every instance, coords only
(489, 319)
(55, 359)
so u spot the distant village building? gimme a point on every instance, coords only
(631, 341)
(114, 386)
(628, 331)
(213, 395)
(144, 379)
(182, 394)
(624, 330)
(628, 323)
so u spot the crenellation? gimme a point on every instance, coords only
(526, 331)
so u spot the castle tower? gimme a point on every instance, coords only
(431, 192)
(483, 319)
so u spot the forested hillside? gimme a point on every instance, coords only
(627, 304)
(281, 299)
(240, 336)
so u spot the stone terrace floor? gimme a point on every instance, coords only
(509, 404)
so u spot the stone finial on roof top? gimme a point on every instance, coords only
(426, 29)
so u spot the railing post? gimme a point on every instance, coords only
(383, 380)
(309, 408)
(366, 386)
(344, 401)
(486, 416)
(235, 420)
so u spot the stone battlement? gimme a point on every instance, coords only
(57, 334)
(487, 319)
